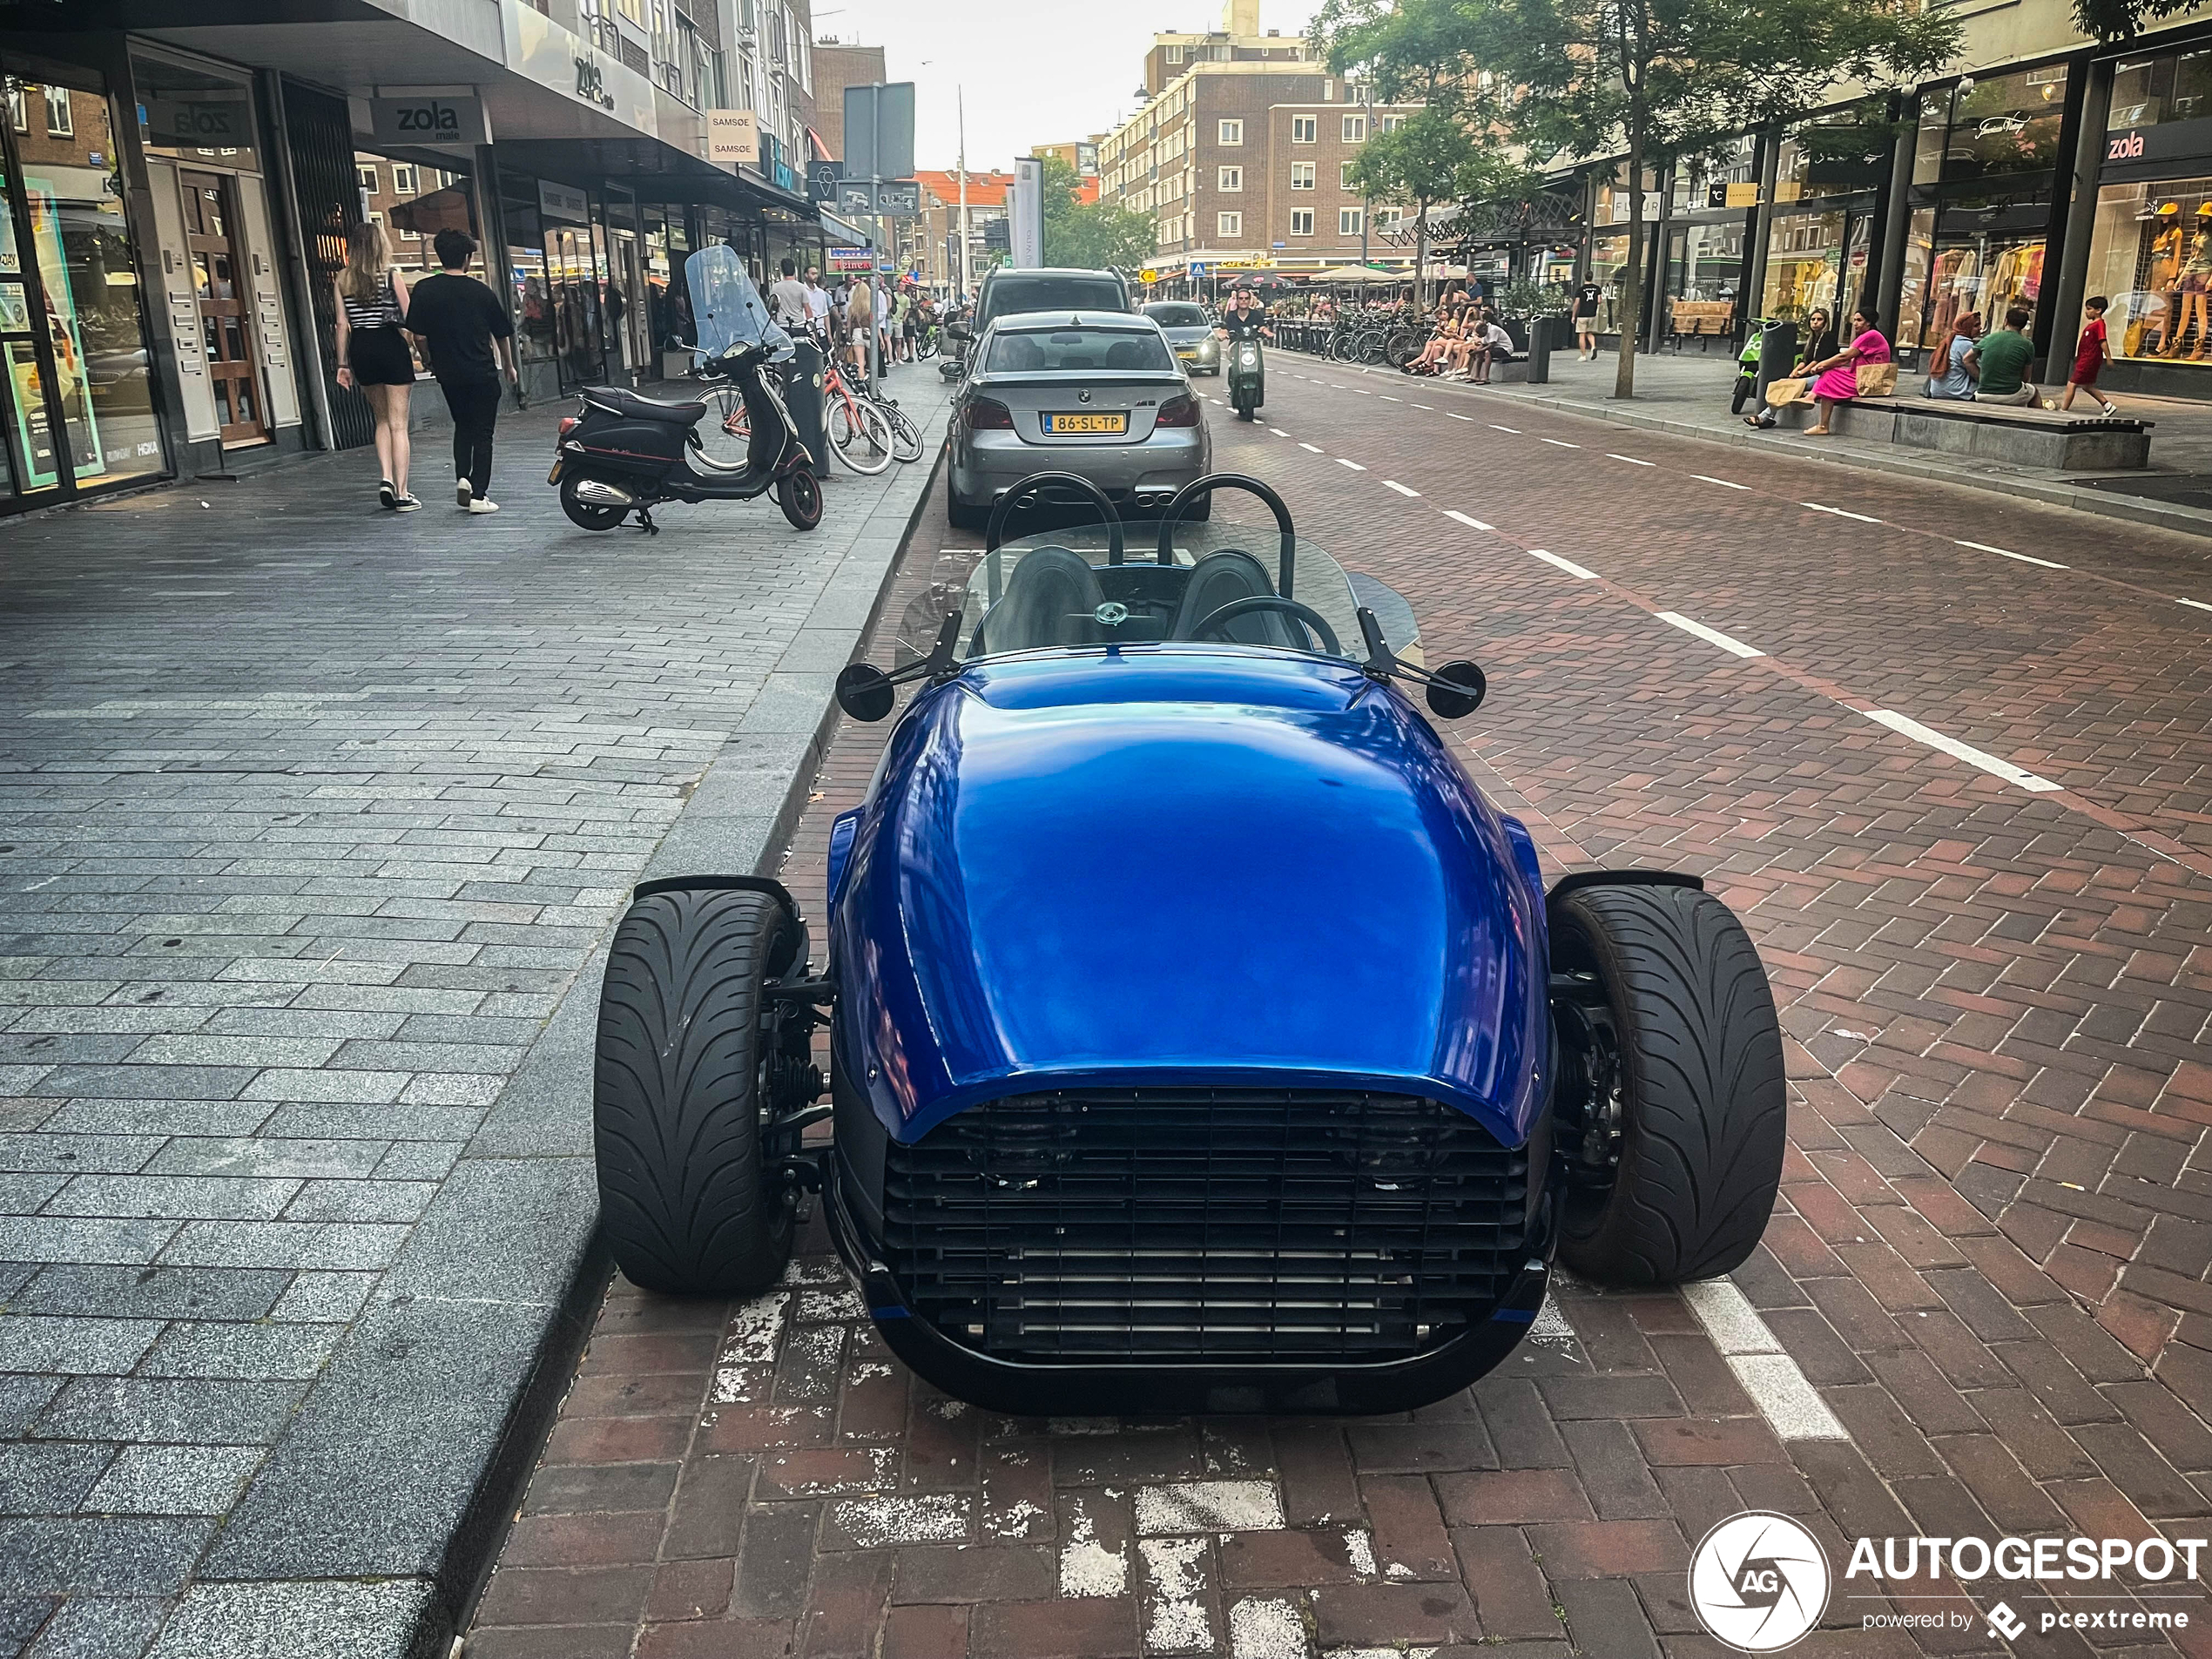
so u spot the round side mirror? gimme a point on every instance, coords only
(1457, 691)
(864, 692)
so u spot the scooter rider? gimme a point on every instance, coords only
(1244, 319)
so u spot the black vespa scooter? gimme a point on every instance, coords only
(1246, 374)
(621, 454)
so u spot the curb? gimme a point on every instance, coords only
(2188, 521)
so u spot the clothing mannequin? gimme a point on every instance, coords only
(2196, 290)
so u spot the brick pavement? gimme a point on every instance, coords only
(1991, 1261)
(309, 817)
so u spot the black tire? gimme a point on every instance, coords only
(800, 494)
(687, 1198)
(580, 512)
(1703, 1112)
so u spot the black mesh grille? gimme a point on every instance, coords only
(1194, 1225)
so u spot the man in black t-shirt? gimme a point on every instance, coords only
(1587, 298)
(458, 319)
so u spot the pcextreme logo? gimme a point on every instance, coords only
(1760, 1582)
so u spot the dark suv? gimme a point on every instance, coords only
(1006, 291)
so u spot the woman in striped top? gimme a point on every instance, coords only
(372, 355)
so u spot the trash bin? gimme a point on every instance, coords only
(803, 381)
(1539, 351)
(1777, 353)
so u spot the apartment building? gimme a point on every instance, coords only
(936, 236)
(836, 67)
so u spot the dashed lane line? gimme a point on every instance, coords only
(2018, 777)
(1456, 416)
(1387, 398)
(1839, 512)
(1314, 448)
(1354, 465)
(1513, 429)
(1723, 483)
(1567, 565)
(1279, 432)
(1711, 635)
(2007, 553)
(1477, 524)
(1790, 1403)
(1559, 444)
(1391, 484)
(1631, 459)
(2194, 604)
(1425, 406)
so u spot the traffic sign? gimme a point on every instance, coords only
(822, 179)
(855, 199)
(898, 199)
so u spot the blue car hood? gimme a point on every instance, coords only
(1171, 867)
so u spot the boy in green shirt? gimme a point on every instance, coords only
(2001, 361)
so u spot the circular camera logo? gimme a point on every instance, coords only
(1759, 1582)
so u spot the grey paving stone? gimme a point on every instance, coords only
(325, 1296)
(189, 1412)
(98, 1556)
(152, 1292)
(38, 1239)
(84, 1346)
(89, 1626)
(22, 1399)
(178, 1196)
(173, 1480)
(147, 1081)
(76, 1154)
(388, 1201)
(285, 1244)
(268, 1155)
(47, 1477)
(286, 1620)
(262, 1349)
(20, 1619)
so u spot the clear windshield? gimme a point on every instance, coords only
(729, 309)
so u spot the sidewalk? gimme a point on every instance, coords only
(314, 824)
(1688, 394)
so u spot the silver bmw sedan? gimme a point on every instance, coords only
(1094, 393)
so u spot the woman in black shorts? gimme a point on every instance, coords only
(373, 354)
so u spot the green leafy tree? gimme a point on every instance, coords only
(1430, 157)
(1665, 79)
(1091, 235)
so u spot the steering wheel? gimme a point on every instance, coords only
(1314, 621)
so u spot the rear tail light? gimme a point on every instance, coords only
(987, 415)
(568, 425)
(1180, 410)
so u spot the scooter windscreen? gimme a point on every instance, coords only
(727, 308)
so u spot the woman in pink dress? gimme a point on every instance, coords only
(1839, 381)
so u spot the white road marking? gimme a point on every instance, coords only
(1723, 483)
(1513, 429)
(1839, 512)
(2011, 774)
(1279, 432)
(1711, 635)
(1424, 406)
(1391, 484)
(2195, 604)
(1631, 459)
(1560, 444)
(1567, 565)
(1456, 416)
(1315, 448)
(1387, 398)
(1791, 1404)
(1354, 465)
(2007, 553)
(1472, 524)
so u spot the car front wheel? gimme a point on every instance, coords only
(692, 1058)
(1671, 1109)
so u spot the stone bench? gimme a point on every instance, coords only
(2017, 433)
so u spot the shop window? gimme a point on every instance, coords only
(2150, 251)
(1933, 135)
(1972, 253)
(1301, 175)
(2173, 86)
(1229, 224)
(1301, 221)
(2008, 124)
(1804, 262)
(59, 123)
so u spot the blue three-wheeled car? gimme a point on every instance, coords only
(1200, 1038)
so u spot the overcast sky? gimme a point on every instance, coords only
(1035, 71)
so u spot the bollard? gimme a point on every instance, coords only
(1539, 351)
(1777, 352)
(803, 394)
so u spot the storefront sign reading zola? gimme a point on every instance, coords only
(428, 120)
(208, 123)
(592, 80)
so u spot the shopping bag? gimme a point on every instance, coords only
(1783, 391)
(1877, 379)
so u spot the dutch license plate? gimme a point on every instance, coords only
(554, 476)
(1116, 422)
